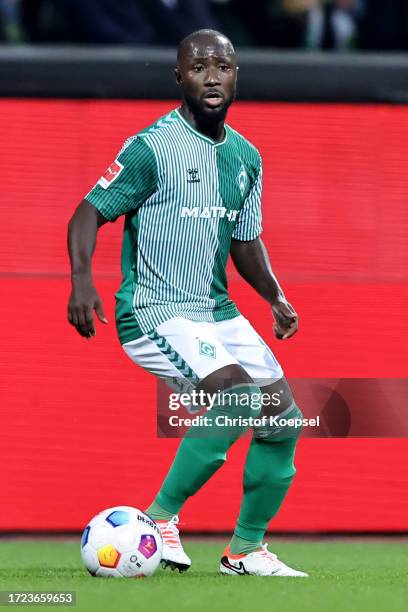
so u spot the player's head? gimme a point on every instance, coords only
(207, 73)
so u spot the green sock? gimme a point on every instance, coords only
(157, 513)
(239, 546)
(268, 474)
(203, 450)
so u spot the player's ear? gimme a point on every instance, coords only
(177, 75)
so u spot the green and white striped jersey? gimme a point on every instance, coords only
(184, 198)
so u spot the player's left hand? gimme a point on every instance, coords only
(286, 320)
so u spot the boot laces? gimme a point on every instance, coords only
(264, 552)
(170, 533)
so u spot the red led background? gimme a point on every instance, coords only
(78, 418)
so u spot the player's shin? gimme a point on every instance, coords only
(203, 450)
(269, 472)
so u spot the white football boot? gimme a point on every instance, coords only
(173, 554)
(261, 562)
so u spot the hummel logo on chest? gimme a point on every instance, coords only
(192, 175)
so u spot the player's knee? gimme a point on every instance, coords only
(285, 426)
(295, 420)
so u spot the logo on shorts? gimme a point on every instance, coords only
(206, 349)
(111, 174)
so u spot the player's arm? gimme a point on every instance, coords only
(84, 299)
(127, 183)
(251, 259)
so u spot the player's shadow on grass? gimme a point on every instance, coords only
(36, 572)
(190, 575)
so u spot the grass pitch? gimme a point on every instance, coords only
(344, 575)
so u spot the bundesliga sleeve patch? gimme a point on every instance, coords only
(111, 174)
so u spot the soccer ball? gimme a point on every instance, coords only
(122, 542)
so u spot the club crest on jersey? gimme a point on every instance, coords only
(111, 174)
(242, 180)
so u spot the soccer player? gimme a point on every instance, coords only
(190, 189)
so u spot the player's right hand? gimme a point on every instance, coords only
(83, 300)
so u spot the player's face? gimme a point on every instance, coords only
(207, 74)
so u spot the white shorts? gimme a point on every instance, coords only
(184, 351)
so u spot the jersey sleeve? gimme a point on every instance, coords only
(128, 181)
(249, 220)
